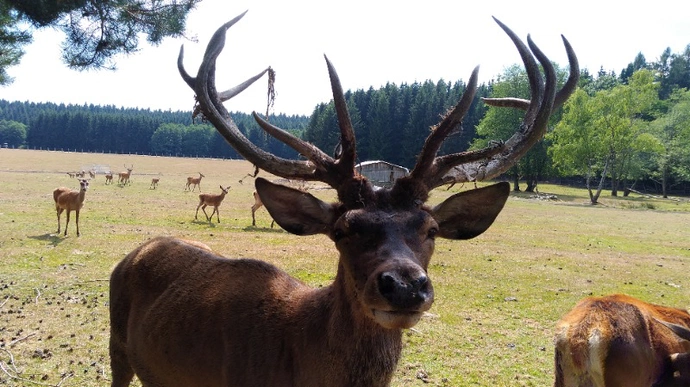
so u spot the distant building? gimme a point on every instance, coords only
(381, 173)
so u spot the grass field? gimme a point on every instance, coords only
(498, 296)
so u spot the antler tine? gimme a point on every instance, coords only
(210, 103)
(573, 76)
(544, 99)
(426, 168)
(311, 152)
(327, 169)
(228, 94)
(562, 94)
(348, 154)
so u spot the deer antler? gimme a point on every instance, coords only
(497, 158)
(319, 167)
(430, 171)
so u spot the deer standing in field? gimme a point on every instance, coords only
(108, 178)
(194, 182)
(211, 200)
(182, 315)
(67, 199)
(154, 182)
(620, 341)
(92, 174)
(258, 204)
(71, 174)
(123, 177)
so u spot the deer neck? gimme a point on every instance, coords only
(350, 334)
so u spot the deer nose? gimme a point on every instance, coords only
(402, 292)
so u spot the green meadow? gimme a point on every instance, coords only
(498, 296)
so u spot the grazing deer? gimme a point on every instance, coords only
(194, 181)
(211, 200)
(71, 174)
(620, 341)
(92, 174)
(66, 199)
(109, 178)
(154, 182)
(123, 177)
(181, 315)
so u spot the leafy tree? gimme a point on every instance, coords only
(12, 40)
(96, 30)
(670, 139)
(167, 139)
(601, 134)
(575, 148)
(13, 133)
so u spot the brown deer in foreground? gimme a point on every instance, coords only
(211, 200)
(194, 182)
(620, 341)
(123, 177)
(182, 315)
(66, 199)
(154, 182)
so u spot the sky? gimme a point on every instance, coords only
(370, 43)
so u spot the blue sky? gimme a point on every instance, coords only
(369, 42)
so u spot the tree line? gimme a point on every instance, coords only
(621, 131)
(108, 129)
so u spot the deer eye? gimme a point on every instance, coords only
(431, 234)
(338, 234)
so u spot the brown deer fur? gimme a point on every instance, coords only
(211, 200)
(66, 199)
(618, 341)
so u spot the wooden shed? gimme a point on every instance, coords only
(381, 173)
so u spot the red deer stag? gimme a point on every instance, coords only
(123, 177)
(620, 341)
(185, 316)
(66, 199)
(211, 200)
(194, 182)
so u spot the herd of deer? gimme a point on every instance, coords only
(183, 315)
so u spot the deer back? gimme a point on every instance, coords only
(619, 339)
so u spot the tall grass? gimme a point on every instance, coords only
(498, 296)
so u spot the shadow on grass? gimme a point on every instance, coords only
(263, 229)
(54, 239)
(204, 222)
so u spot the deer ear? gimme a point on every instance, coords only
(297, 212)
(466, 215)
